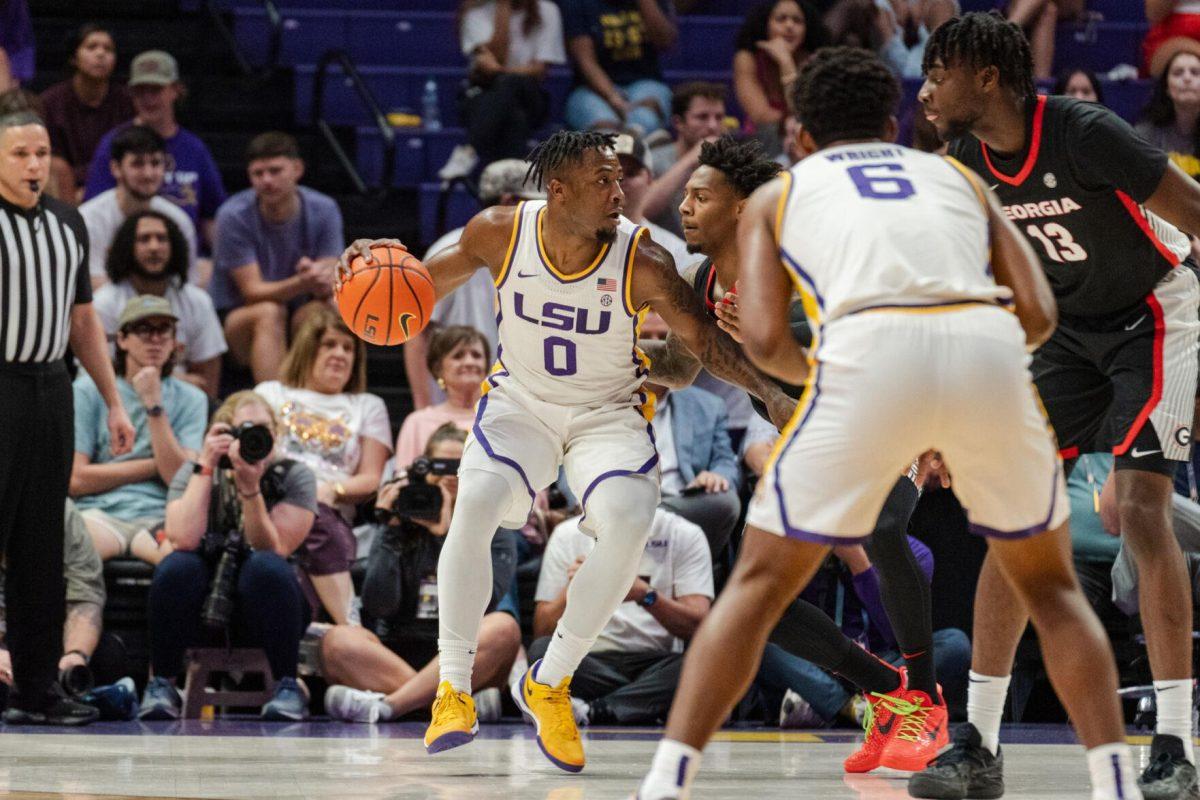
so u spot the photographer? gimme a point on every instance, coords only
(394, 671)
(233, 519)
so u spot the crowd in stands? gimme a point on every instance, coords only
(201, 291)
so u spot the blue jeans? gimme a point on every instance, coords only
(269, 611)
(585, 109)
(781, 671)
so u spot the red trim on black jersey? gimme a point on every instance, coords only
(708, 290)
(1067, 453)
(1160, 329)
(1136, 212)
(1034, 146)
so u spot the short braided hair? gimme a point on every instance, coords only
(984, 39)
(561, 148)
(845, 93)
(744, 164)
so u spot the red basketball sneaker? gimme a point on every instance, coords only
(919, 735)
(885, 712)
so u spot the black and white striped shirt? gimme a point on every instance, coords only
(43, 274)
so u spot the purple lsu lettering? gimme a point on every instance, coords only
(561, 317)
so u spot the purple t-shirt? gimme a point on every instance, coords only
(193, 182)
(244, 237)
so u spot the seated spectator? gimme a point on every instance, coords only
(474, 304)
(277, 244)
(775, 40)
(193, 183)
(1170, 119)
(1094, 548)
(906, 27)
(123, 499)
(267, 508)
(392, 669)
(699, 470)
(148, 256)
(331, 423)
(81, 109)
(1039, 19)
(698, 116)
(458, 359)
(1082, 84)
(84, 578)
(1174, 26)
(509, 43)
(635, 183)
(139, 165)
(614, 47)
(630, 674)
(16, 45)
(847, 588)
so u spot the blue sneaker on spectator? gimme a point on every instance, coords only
(116, 701)
(161, 701)
(290, 703)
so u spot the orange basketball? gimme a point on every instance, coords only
(389, 300)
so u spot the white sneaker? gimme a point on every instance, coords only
(796, 712)
(487, 705)
(461, 163)
(355, 705)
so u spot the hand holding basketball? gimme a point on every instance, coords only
(384, 293)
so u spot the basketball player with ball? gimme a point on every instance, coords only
(574, 279)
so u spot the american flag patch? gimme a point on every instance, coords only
(606, 284)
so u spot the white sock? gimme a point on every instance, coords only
(385, 710)
(671, 773)
(1113, 776)
(985, 706)
(456, 659)
(1174, 702)
(562, 657)
(465, 572)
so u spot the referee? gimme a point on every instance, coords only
(45, 304)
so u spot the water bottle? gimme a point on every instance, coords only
(430, 112)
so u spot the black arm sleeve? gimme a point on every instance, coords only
(1106, 152)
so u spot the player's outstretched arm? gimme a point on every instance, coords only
(484, 243)
(657, 284)
(1016, 266)
(1177, 200)
(671, 363)
(764, 287)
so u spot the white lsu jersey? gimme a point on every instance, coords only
(864, 226)
(569, 339)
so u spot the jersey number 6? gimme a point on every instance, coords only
(888, 186)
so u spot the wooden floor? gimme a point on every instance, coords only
(330, 760)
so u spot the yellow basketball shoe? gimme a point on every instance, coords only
(549, 709)
(454, 722)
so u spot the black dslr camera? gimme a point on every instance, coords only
(257, 443)
(421, 499)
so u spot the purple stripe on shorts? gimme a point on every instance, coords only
(1023, 533)
(487, 447)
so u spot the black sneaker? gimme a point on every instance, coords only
(59, 710)
(966, 770)
(1169, 776)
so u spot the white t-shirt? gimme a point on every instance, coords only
(324, 430)
(676, 559)
(545, 44)
(103, 217)
(198, 330)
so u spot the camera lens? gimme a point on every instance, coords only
(256, 442)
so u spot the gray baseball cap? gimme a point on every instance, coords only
(145, 306)
(507, 176)
(153, 68)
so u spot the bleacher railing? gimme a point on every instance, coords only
(386, 133)
(274, 40)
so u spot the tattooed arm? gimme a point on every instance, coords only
(81, 634)
(657, 284)
(671, 363)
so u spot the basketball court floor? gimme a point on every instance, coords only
(323, 760)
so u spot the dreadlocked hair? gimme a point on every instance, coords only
(984, 40)
(845, 93)
(743, 164)
(561, 148)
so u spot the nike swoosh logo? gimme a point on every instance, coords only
(1139, 453)
(1135, 323)
(406, 320)
(994, 186)
(886, 728)
(527, 274)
